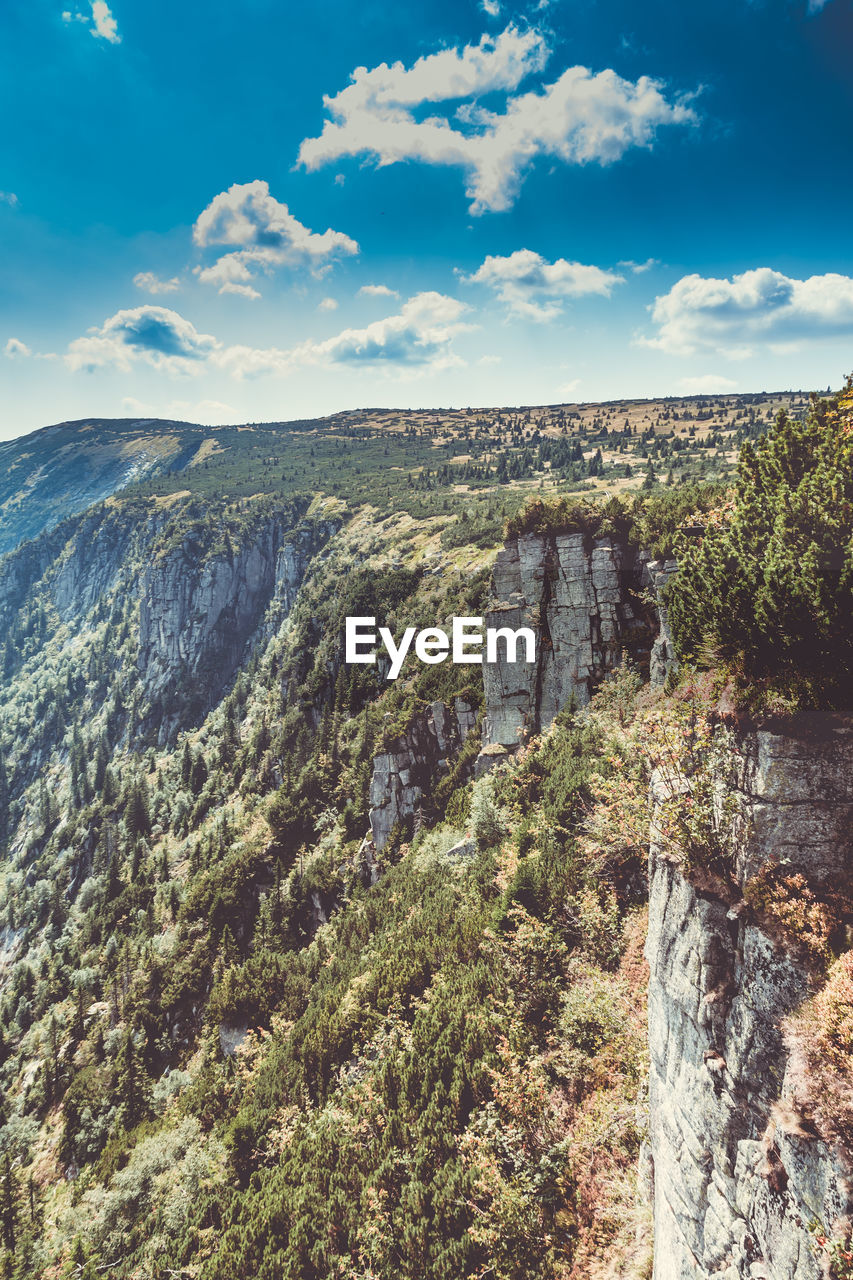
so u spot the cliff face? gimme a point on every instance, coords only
(737, 1186)
(582, 600)
(198, 612)
(405, 772)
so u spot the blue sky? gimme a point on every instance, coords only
(230, 213)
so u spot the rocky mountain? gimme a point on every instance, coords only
(309, 972)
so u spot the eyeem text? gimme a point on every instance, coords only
(465, 644)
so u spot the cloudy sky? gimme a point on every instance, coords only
(228, 212)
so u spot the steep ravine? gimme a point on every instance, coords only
(739, 1190)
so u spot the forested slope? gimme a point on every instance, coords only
(242, 1039)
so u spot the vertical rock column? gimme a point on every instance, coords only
(734, 1196)
(576, 596)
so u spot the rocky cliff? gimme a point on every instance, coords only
(743, 1180)
(583, 599)
(198, 611)
(404, 773)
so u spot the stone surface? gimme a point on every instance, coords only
(197, 614)
(581, 599)
(733, 1194)
(405, 772)
(663, 659)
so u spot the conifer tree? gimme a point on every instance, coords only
(132, 1086)
(9, 1204)
(137, 814)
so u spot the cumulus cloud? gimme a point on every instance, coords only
(535, 289)
(761, 307)
(155, 335)
(262, 234)
(151, 283)
(416, 339)
(579, 118)
(103, 23)
(9, 198)
(213, 412)
(328, 304)
(99, 21)
(490, 7)
(16, 350)
(639, 268)
(378, 291)
(418, 336)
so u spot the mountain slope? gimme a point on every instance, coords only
(60, 470)
(307, 973)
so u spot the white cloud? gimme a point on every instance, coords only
(264, 235)
(415, 340)
(378, 291)
(490, 7)
(103, 23)
(815, 6)
(155, 335)
(639, 268)
(151, 283)
(707, 384)
(757, 308)
(214, 412)
(535, 289)
(15, 349)
(417, 337)
(328, 304)
(100, 21)
(9, 198)
(569, 388)
(579, 118)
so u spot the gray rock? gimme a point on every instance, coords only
(198, 613)
(231, 1037)
(406, 772)
(733, 1194)
(580, 598)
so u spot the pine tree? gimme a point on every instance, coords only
(9, 1204)
(137, 814)
(101, 761)
(132, 1087)
(198, 775)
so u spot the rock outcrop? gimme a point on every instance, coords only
(582, 600)
(663, 659)
(406, 771)
(736, 1191)
(198, 611)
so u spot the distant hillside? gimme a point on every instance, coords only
(61, 470)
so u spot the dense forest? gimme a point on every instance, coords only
(240, 1036)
